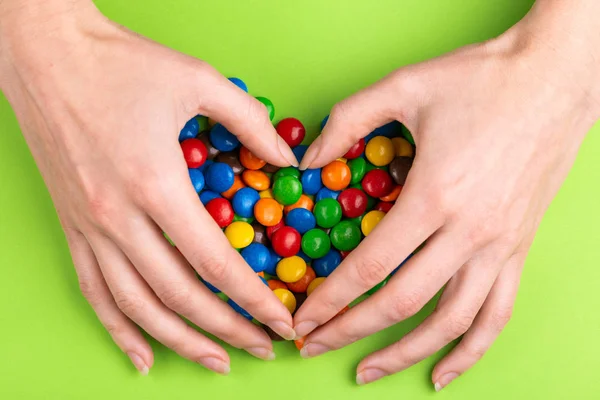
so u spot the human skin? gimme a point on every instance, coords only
(101, 109)
(497, 127)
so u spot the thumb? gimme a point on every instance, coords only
(243, 116)
(355, 117)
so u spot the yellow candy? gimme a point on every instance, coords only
(370, 221)
(402, 147)
(266, 194)
(287, 298)
(313, 285)
(211, 122)
(380, 151)
(291, 269)
(342, 159)
(240, 234)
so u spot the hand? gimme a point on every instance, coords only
(497, 127)
(101, 109)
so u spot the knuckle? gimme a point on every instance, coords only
(403, 307)
(130, 303)
(215, 268)
(371, 271)
(476, 351)
(457, 323)
(90, 291)
(500, 318)
(115, 330)
(175, 296)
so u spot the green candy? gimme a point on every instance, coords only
(270, 107)
(371, 167)
(238, 218)
(407, 135)
(345, 236)
(316, 243)
(328, 212)
(358, 169)
(287, 171)
(357, 221)
(287, 190)
(168, 239)
(375, 288)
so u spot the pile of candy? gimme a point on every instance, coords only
(293, 227)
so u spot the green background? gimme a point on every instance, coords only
(304, 56)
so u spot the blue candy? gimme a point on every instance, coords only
(239, 309)
(204, 166)
(219, 177)
(273, 260)
(303, 256)
(243, 202)
(390, 130)
(400, 266)
(311, 181)
(239, 83)
(301, 220)
(299, 151)
(325, 265)
(264, 280)
(197, 179)
(190, 130)
(257, 256)
(325, 193)
(324, 122)
(222, 139)
(211, 287)
(208, 195)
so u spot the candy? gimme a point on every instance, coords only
(287, 190)
(358, 169)
(212, 150)
(327, 193)
(399, 169)
(286, 241)
(260, 233)
(291, 269)
(273, 261)
(272, 229)
(219, 177)
(384, 206)
(377, 183)
(393, 194)
(301, 285)
(237, 185)
(287, 298)
(221, 211)
(239, 83)
(257, 256)
(240, 234)
(287, 171)
(301, 219)
(249, 160)
(222, 139)
(239, 309)
(380, 151)
(336, 175)
(316, 243)
(194, 152)
(269, 105)
(311, 181)
(370, 221)
(190, 130)
(257, 180)
(299, 151)
(275, 284)
(328, 212)
(327, 264)
(402, 148)
(197, 179)
(230, 158)
(268, 212)
(353, 202)
(208, 195)
(244, 201)
(345, 236)
(304, 202)
(356, 150)
(313, 285)
(292, 131)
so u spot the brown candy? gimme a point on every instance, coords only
(399, 169)
(300, 299)
(270, 169)
(212, 150)
(260, 233)
(272, 334)
(232, 159)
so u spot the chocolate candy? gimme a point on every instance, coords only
(232, 159)
(399, 169)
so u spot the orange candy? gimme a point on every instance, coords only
(237, 185)
(275, 284)
(393, 195)
(257, 180)
(303, 202)
(299, 343)
(301, 285)
(268, 211)
(249, 160)
(336, 175)
(342, 311)
(261, 274)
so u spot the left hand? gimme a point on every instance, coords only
(497, 128)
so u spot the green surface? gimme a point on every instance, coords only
(304, 56)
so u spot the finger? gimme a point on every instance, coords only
(493, 317)
(175, 283)
(402, 297)
(93, 287)
(411, 222)
(244, 116)
(388, 100)
(176, 209)
(136, 300)
(444, 325)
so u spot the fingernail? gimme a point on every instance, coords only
(311, 154)
(216, 364)
(139, 363)
(369, 375)
(262, 353)
(445, 380)
(313, 350)
(283, 329)
(286, 152)
(304, 328)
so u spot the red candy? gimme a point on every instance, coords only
(384, 206)
(377, 183)
(356, 150)
(272, 229)
(353, 202)
(286, 241)
(194, 152)
(344, 254)
(221, 211)
(292, 131)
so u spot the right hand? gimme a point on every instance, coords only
(101, 109)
